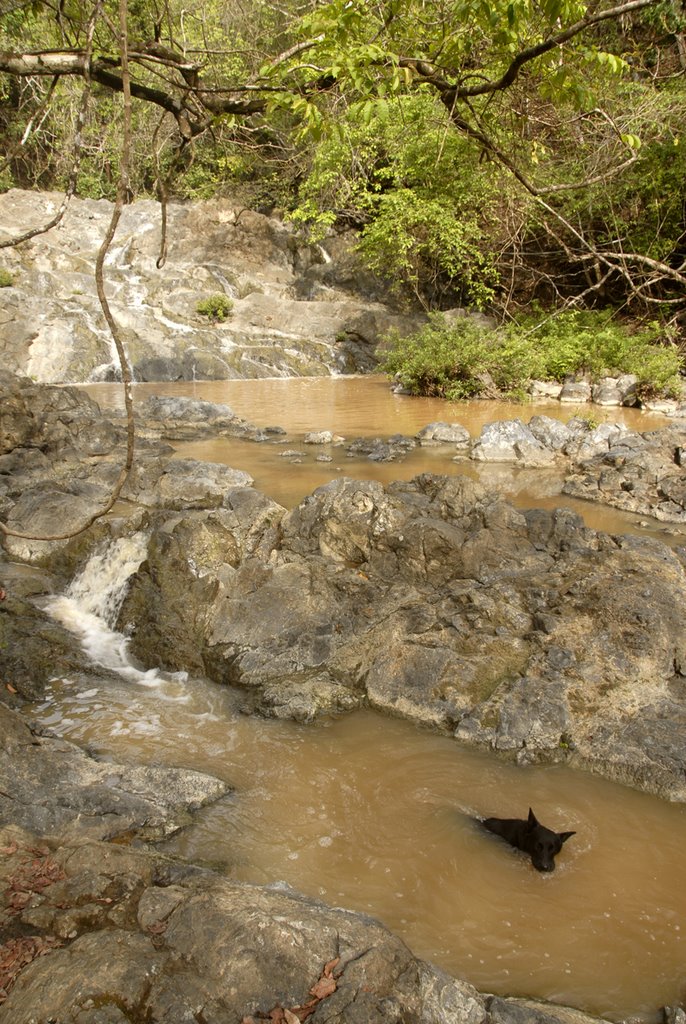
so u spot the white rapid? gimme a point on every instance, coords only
(90, 605)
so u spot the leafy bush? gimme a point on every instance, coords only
(457, 359)
(215, 307)
(6, 279)
(396, 171)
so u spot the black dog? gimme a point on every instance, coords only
(539, 842)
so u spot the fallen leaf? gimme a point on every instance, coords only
(290, 1018)
(10, 688)
(328, 968)
(323, 988)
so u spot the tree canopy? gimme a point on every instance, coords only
(493, 152)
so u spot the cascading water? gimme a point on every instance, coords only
(91, 603)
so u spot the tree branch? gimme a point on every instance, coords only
(438, 78)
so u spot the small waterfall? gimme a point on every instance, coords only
(90, 605)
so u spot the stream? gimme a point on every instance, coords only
(373, 813)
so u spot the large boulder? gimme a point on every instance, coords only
(437, 601)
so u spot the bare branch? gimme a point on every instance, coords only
(122, 194)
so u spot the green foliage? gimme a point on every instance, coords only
(6, 279)
(397, 169)
(457, 359)
(215, 307)
(416, 241)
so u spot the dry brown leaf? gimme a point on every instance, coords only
(328, 968)
(323, 988)
(12, 689)
(290, 1017)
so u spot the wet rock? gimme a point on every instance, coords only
(637, 473)
(377, 449)
(445, 433)
(435, 600)
(58, 790)
(46, 513)
(185, 419)
(188, 483)
(322, 437)
(34, 647)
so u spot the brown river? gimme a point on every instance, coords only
(375, 814)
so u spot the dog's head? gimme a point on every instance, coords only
(543, 844)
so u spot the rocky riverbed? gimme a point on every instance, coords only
(435, 600)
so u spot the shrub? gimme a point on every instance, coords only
(215, 307)
(457, 359)
(6, 279)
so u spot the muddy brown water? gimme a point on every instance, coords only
(376, 815)
(366, 407)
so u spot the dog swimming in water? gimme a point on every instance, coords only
(528, 835)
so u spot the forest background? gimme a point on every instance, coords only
(523, 158)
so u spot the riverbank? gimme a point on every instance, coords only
(431, 599)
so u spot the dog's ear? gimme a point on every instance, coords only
(564, 836)
(531, 821)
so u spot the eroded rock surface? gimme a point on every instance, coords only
(297, 309)
(435, 600)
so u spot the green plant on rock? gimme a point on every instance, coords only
(6, 279)
(215, 307)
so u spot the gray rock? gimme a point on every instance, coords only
(188, 483)
(503, 442)
(436, 601)
(445, 433)
(627, 384)
(322, 437)
(58, 790)
(549, 432)
(296, 310)
(575, 391)
(545, 389)
(607, 392)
